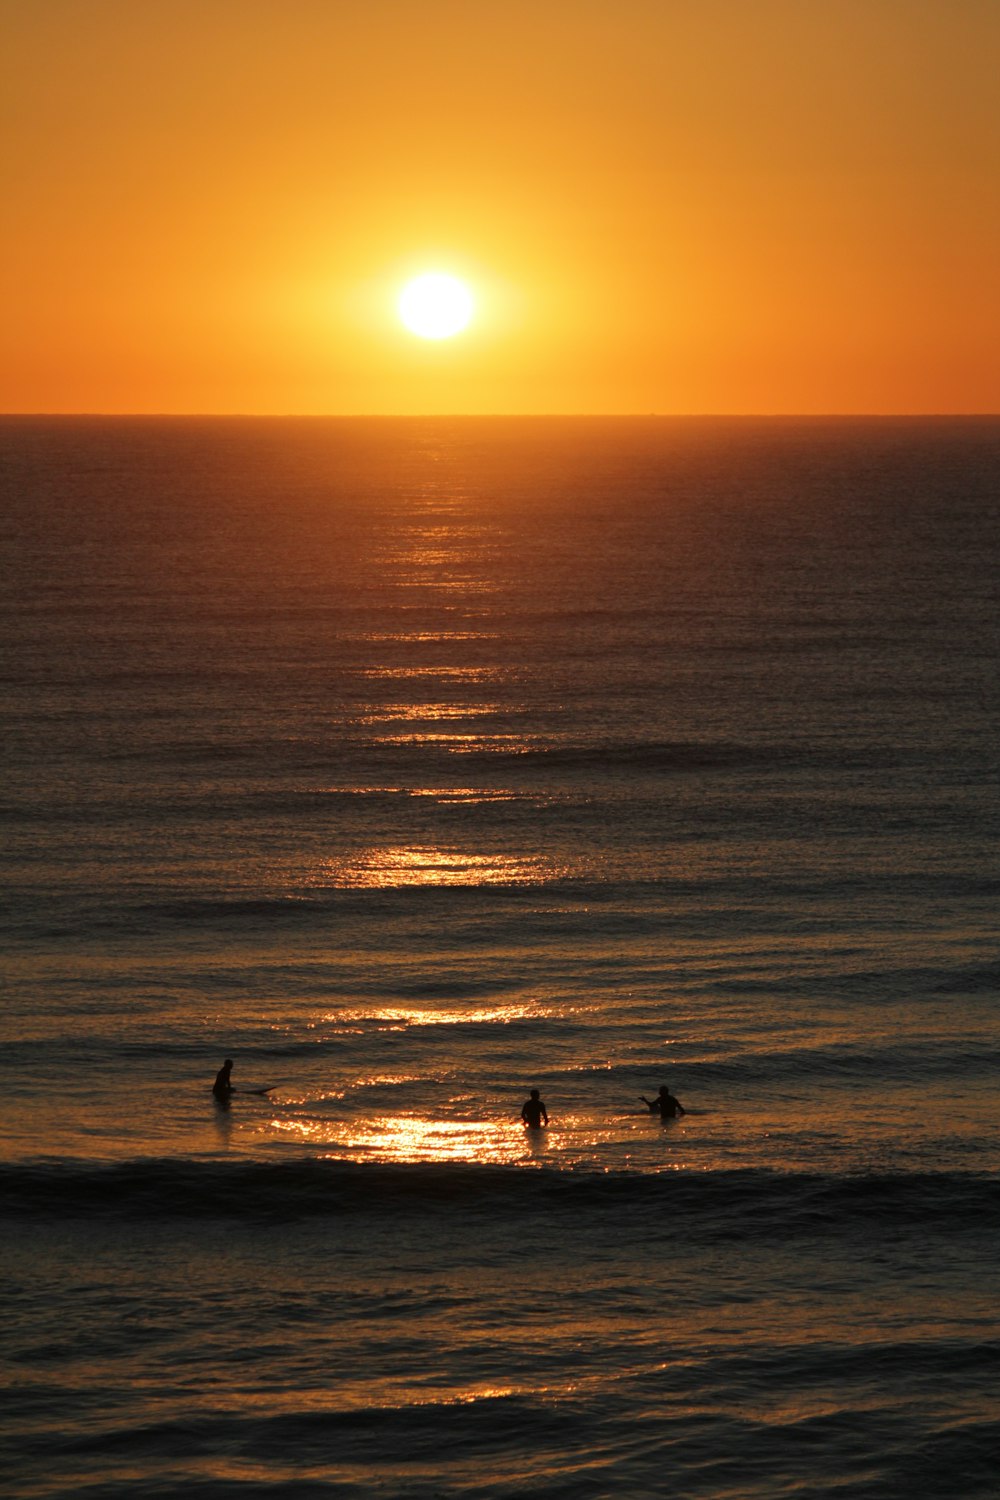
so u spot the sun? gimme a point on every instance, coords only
(435, 306)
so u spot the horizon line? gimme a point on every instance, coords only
(682, 416)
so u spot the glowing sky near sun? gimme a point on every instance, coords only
(657, 205)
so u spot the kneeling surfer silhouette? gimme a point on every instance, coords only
(222, 1088)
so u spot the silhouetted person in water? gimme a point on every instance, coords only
(664, 1105)
(222, 1088)
(534, 1114)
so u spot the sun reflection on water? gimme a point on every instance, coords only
(397, 1017)
(422, 637)
(411, 1138)
(431, 711)
(431, 865)
(456, 674)
(611, 1144)
(470, 794)
(459, 744)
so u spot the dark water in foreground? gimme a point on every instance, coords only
(415, 763)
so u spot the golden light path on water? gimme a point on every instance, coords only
(396, 1017)
(427, 711)
(424, 637)
(418, 1138)
(471, 794)
(454, 674)
(442, 556)
(430, 865)
(458, 744)
(352, 1121)
(413, 1138)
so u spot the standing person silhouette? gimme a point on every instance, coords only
(534, 1114)
(222, 1088)
(664, 1105)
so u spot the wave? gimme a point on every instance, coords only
(748, 1200)
(510, 751)
(908, 1059)
(662, 757)
(676, 756)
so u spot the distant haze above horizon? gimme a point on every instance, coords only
(658, 206)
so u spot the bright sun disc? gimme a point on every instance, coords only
(435, 306)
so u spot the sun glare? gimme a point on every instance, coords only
(435, 306)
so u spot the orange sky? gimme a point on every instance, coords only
(661, 205)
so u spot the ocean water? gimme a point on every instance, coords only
(413, 764)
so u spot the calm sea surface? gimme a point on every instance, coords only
(416, 763)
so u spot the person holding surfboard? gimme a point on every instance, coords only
(664, 1105)
(222, 1088)
(534, 1114)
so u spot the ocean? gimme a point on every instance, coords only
(413, 764)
